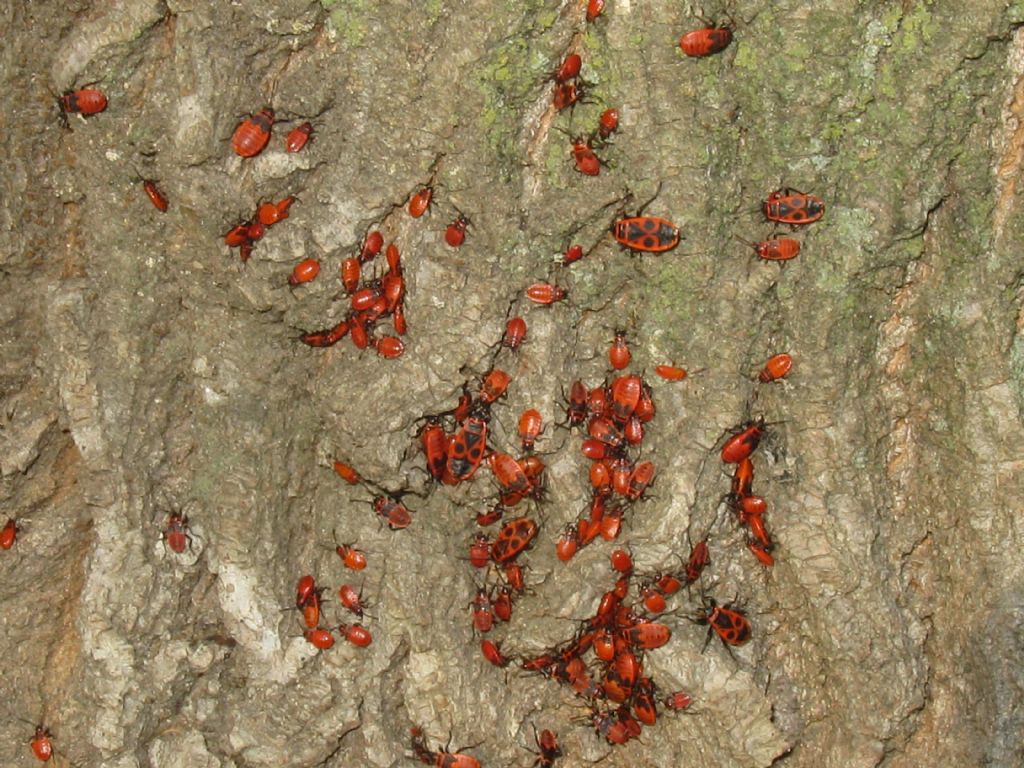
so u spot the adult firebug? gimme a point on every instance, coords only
(790, 206)
(646, 233)
(466, 450)
(731, 626)
(514, 537)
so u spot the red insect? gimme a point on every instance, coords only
(530, 424)
(641, 477)
(305, 271)
(514, 537)
(654, 601)
(705, 42)
(644, 704)
(490, 516)
(790, 206)
(256, 229)
(743, 479)
(514, 576)
(327, 337)
(730, 625)
(480, 551)
(576, 411)
(594, 9)
(350, 273)
(503, 604)
(9, 534)
(700, 557)
(570, 68)
(396, 514)
(545, 293)
(587, 163)
(670, 372)
(304, 591)
(621, 561)
(743, 443)
(761, 553)
(84, 102)
(394, 259)
(611, 726)
(356, 634)
(42, 744)
(347, 473)
(177, 536)
(352, 558)
(483, 614)
(390, 347)
(567, 543)
(626, 391)
(608, 123)
(647, 636)
(455, 235)
(646, 233)
(352, 600)
(494, 386)
(156, 197)
(420, 202)
(677, 701)
(547, 743)
(566, 95)
(319, 638)
(466, 450)
(778, 249)
(618, 353)
(442, 758)
(372, 246)
(238, 235)
(668, 584)
(253, 133)
(492, 652)
(435, 448)
(572, 254)
(604, 431)
(311, 611)
(776, 368)
(398, 318)
(269, 214)
(298, 137)
(515, 333)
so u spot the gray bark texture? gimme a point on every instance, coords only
(145, 370)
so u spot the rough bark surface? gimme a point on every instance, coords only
(144, 369)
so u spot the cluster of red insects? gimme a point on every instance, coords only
(603, 663)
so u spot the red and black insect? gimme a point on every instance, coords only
(393, 511)
(514, 537)
(455, 234)
(252, 134)
(298, 137)
(441, 758)
(177, 535)
(743, 443)
(608, 123)
(547, 743)
(156, 197)
(646, 233)
(84, 102)
(466, 450)
(566, 95)
(494, 386)
(576, 410)
(790, 206)
(435, 447)
(731, 626)
(492, 652)
(700, 558)
(587, 162)
(351, 558)
(352, 600)
(42, 744)
(356, 634)
(515, 333)
(705, 42)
